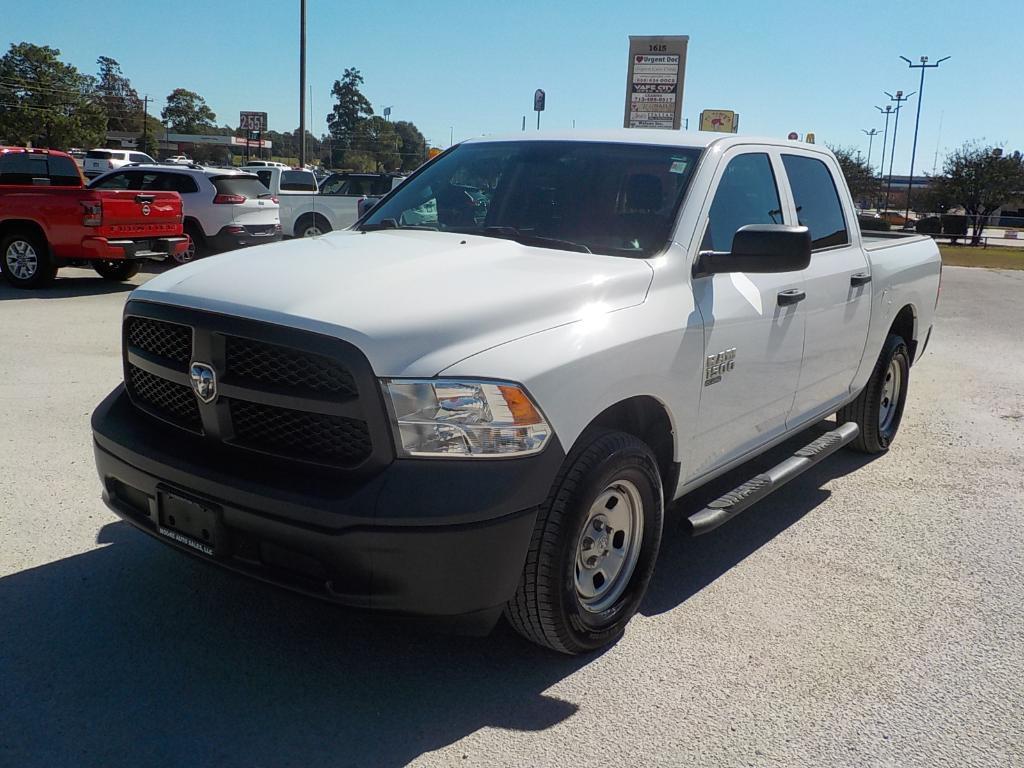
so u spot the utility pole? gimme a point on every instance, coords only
(871, 139)
(302, 83)
(917, 122)
(899, 98)
(145, 122)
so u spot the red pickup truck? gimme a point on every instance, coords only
(48, 219)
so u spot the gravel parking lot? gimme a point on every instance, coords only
(870, 613)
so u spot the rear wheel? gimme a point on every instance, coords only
(878, 409)
(196, 245)
(593, 549)
(25, 260)
(311, 226)
(116, 270)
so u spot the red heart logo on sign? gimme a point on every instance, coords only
(639, 58)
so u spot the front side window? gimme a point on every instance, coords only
(746, 194)
(138, 157)
(615, 199)
(817, 200)
(123, 180)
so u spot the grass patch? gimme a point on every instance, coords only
(992, 257)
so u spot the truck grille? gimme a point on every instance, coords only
(174, 402)
(271, 364)
(168, 340)
(282, 392)
(298, 434)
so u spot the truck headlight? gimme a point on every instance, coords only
(464, 419)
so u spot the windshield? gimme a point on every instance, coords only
(617, 199)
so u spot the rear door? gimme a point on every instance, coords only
(753, 343)
(837, 284)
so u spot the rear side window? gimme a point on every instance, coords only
(97, 154)
(121, 180)
(138, 157)
(817, 200)
(169, 182)
(381, 185)
(297, 181)
(747, 194)
(246, 186)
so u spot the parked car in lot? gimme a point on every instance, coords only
(309, 209)
(99, 161)
(480, 416)
(223, 209)
(265, 164)
(174, 160)
(48, 219)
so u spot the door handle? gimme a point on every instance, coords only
(792, 296)
(860, 278)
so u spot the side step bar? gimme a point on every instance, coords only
(726, 507)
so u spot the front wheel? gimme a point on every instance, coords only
(593, 549)
(116, 270)
(878, 409)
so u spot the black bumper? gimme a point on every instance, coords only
(441, 538)
(228, 240)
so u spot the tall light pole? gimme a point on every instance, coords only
(871, 140)
(920, 94)
(899, 98)
(302, 83)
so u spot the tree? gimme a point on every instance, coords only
(120, 101)
(414, 145)
(981, 179)
(378, 137)
(47, 102)
(351, 106)
(864, 187)
(187, 112)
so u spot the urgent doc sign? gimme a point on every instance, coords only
(654, 83)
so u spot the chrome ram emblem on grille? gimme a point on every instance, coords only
(204, 382)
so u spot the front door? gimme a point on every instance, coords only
(753, 340)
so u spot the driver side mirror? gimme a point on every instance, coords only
(759, 248)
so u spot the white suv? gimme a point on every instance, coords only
(99, 161)
(223, 208)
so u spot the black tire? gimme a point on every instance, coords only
(116, 270)
(866, 411)
(197, 248)
(25, 260)
(306, 224)
(547, 607)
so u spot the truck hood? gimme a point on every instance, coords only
(414, 302)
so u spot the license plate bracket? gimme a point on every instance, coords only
(191, 522)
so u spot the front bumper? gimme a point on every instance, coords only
(428, 538)
(143, 248)
(230, 238)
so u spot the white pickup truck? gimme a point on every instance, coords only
(480, 400)
(308, 209)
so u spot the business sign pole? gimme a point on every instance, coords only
(538, 104)
(254, 124)
(654, 81)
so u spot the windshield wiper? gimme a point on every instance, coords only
(525, 238)
(392, 224)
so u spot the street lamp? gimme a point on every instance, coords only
(920, 93)
(899, 98)
(871, 140)
(885, 137)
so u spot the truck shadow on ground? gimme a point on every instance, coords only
(65, 288)
(132, 654)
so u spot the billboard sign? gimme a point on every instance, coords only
(252, 121)
(654, 81)
(719, 120)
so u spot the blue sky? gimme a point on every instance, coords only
(471, 67)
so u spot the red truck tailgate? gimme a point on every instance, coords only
(132, 214)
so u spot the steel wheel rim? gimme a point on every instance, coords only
(312, 231)
(21, 259)
(608, 546)
(890, 398)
